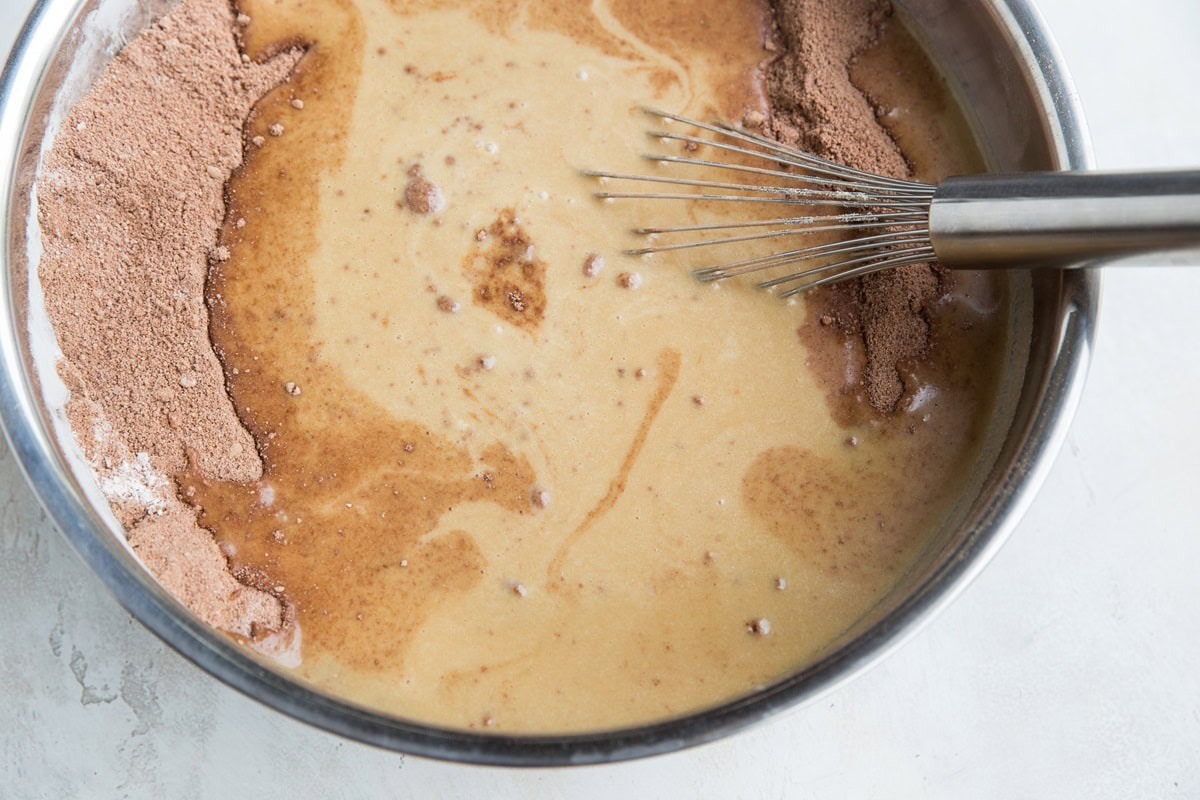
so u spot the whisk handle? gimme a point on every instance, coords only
(1062, 218)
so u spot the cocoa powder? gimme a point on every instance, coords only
(130, 202)
(815, 106)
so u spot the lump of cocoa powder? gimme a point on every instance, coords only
(816, 107)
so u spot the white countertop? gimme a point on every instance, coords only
(1070, 668)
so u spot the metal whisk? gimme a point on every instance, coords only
(1058, 219)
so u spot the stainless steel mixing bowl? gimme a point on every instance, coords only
(1009, 78)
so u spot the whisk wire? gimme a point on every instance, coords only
(839, 248)
(832, 195)
(795, 200)
(793, 177)
(753, 237)
(783, 153)
(894, 218)
(833, 273)
(855, 253)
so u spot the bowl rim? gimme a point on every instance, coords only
(52, 481)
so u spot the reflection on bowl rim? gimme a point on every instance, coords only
(31, 439)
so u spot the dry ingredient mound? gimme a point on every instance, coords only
(815, 106)
(130, 203)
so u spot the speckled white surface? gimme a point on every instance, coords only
(1070, 668)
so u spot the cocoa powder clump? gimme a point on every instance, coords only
(815, 106)
(130, 201)
(421, 195)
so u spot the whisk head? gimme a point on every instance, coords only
(875, 222)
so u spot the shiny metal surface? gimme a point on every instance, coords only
(1023, 110)
(1060, 219)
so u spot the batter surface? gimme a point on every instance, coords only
(512, 478)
